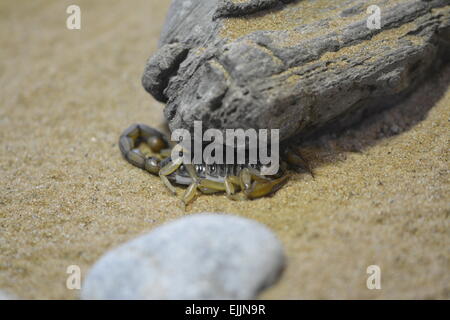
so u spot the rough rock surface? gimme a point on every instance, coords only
(204, 256)
(230, 8)
(292, 65)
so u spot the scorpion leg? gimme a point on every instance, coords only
(168, 169)
(192, 189)
(191, 171)
(190, 192)
(247, 175)
(236, 183)
(212, 185)
(261, 189)
(257, 186)
(229, 186)
(168, 184)
(257, 175)
(243, 182)
(245, 178)
(206, 190)
(208, 186)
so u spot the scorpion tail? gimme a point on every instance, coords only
(129, 143)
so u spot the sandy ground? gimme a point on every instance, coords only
(381, 193)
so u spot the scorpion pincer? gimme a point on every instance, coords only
(149, 149)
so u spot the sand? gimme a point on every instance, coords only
(381, 194)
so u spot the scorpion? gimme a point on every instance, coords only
(149, 149)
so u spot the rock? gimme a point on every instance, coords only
(6, 296)
(161, 66)
(230, 8)
(203, 256)
(296, 66)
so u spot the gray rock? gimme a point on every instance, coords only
(203, 256)
(6, 296)
(296, 67)
(230, 8)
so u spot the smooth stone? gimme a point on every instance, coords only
(297, 66)
(5, 296)
(202, 256)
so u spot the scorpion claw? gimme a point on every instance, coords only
(261, 189)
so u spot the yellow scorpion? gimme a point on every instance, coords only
(149, 149)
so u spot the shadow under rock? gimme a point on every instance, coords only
(331, 145)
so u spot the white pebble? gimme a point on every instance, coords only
(202, 256)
